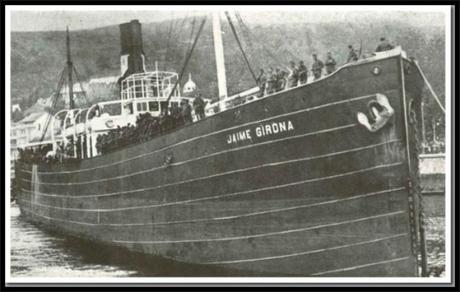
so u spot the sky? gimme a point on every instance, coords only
(57, 18)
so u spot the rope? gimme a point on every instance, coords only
(167, 42)
(181, 26)
(79, 83)
(241, 48)
(264, 47)
(247, 39)
(191, 36)
(186, 60)
(48, 119)
(175, 31)
(429, 86)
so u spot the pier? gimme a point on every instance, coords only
(432, 172)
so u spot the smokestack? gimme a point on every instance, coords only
(132, 51)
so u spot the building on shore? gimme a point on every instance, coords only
(27, 131)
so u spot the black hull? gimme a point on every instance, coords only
(313, 193)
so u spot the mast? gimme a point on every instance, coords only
(69, 71)
(219, 52)
(423, 128)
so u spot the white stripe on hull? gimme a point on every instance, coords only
(225, 195)
(264, 234)
(231, 217)
(206, 156)
(261, 235)
(222, 173)
(307, 252)
(361, 266)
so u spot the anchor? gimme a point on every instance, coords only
(380, 112)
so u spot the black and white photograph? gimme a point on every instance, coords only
(228, 144)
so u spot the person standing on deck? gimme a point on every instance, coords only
(303, 73)
(317, 67)
(330, 64)
(271, 81)
(186, 112)
(261, 82)
(384, 45)
(293, 76)
(280, 79)
(198, 106)
(98, 144)
(352, 56)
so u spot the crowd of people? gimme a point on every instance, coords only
(33, 155)
(46, 154)
(148, 127)
(274, 80)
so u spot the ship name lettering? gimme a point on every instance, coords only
(239, 136)
(274, 128)
(263, 130)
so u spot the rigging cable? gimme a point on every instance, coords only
(80, 83)
(435, 96)
(176, 30)
(55, 98)
(241, 48)
(167, 41)
(264, 47)
(191, 36)
(247, 39)
(186, 61)
(181, 26)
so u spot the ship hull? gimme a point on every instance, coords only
(290, 184)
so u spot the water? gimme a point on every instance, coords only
(435, 246)
(36, 253)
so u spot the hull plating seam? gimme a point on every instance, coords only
(254, 235)
(231, 194)
(308, 252)
(361, 266)
(212, 133)
(265, 234)
(203, 157)
(228, 172)
(229, 217)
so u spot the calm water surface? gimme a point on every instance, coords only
(35, 253)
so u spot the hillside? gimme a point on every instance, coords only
(37, 58)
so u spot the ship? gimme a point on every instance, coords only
(317, 180)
